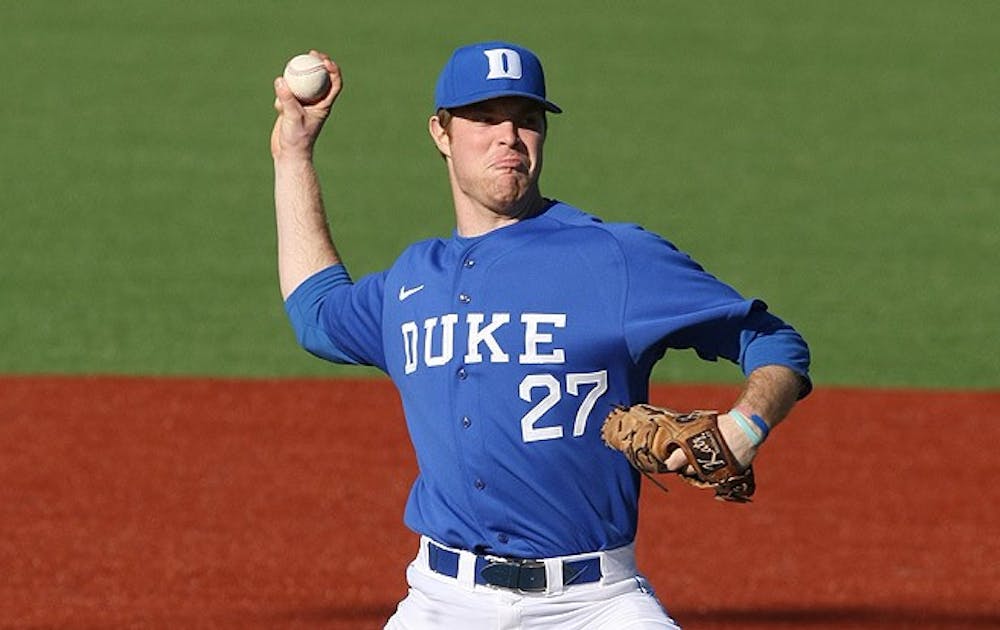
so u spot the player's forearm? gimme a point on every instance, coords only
(304, 242)
(770, 391)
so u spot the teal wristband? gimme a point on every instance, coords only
(744, 424)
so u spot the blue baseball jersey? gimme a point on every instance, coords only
(509, 349)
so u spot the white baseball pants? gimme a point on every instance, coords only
(621, 600)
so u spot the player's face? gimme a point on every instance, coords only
(496, 152)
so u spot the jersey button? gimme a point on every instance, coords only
(466, 422)
(503, 537)
(464, 298)
(462, 374)
(480, 484)
(470, 263)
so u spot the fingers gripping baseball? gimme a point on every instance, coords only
(298, 125)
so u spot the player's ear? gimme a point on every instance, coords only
(439, 134)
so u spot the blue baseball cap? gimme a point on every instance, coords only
(486, 70)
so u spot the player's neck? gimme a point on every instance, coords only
(474, 219)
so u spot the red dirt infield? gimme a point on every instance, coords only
(208, 503)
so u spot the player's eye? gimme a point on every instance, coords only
(483, 118)
(534, 121)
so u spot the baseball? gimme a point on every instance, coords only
(306, 76)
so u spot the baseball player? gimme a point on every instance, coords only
(510, 342)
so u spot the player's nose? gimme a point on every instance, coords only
(507, 131)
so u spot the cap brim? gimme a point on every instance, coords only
(486, 96)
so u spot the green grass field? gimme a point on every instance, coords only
(833, 158)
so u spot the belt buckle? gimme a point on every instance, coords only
(523, 575)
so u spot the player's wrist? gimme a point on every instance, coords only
(753, 425)
(294, 157)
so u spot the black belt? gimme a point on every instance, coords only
(514, 573)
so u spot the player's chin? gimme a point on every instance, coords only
(512, 178)
(518, 180)
(510, 191)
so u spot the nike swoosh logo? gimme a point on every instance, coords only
(405, 293)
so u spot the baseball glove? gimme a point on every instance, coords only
(647, 435)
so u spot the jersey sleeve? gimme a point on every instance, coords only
(339, 320)
(767, 340)
(672, 302)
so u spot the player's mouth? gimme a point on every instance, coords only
(513, 162)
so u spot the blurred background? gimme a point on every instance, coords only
(838, 160)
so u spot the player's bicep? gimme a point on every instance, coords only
(338, 320)
(672, 302)
(716, 332)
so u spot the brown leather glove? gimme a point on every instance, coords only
(647, 435)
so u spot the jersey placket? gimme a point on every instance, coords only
(466, 395)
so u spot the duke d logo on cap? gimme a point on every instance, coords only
(479, 72)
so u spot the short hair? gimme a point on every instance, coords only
(444, 116)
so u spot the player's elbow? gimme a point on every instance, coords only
(777, 343)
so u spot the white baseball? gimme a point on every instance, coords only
(307, 78)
